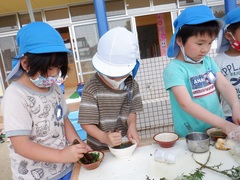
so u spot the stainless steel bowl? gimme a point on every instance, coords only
(198, 142)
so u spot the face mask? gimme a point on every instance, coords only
(114, 83)
(187, 59)
(43, 82)
(235, 44)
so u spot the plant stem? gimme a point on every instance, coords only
(213, 168)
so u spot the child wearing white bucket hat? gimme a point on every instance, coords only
(111, 97)
(192, 78)
(228, 58)
(34, 109)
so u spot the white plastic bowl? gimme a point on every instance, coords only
(123, 152)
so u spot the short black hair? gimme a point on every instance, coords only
(42, 62)
(233, 27)
(212, 28)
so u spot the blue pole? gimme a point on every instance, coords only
(229, 5)
(101, 15)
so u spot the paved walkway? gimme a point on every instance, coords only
(6, 173)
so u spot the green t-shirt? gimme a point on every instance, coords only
(202, 92)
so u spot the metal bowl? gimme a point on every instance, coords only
(198, 142)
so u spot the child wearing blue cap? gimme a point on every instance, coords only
(193, 78)
(34, 109)
(111, 97)
(228, 58)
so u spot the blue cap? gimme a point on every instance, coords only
(36, 38)
(232, 17)
(191, 16)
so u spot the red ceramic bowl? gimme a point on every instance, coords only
(166, 139)
(95, 164)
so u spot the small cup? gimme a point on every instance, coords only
(165, 157)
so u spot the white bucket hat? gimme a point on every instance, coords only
(117, 53)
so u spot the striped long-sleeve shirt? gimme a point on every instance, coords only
(108, 108)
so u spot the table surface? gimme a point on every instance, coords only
(142, 164)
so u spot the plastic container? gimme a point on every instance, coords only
(165, 157)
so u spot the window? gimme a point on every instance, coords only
(182, 3)
(82, 12)
(161, 2)
(25, 18)
(56, 14)
(218, 11)
(133, 4)
(9, 50)
(8, 23)
(86, 41)
(115, 8)
(122, 23)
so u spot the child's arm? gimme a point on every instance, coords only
(132, 129)
(228, 92)
(199, 112)
(37, 152)
(71, 133)
(110, 138)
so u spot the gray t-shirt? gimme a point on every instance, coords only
(29, 113)
(108, 108)
(229, 66)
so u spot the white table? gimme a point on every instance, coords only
(142, 164)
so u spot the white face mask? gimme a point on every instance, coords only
(114, 83)
(187, 59)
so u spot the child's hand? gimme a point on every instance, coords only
(73, 153)
(113, 138)
(229, 127)
(132, 134)
(236, 115)
(87, 146)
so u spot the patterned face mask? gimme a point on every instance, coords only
(43, 82)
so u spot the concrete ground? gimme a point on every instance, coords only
(5, 162)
